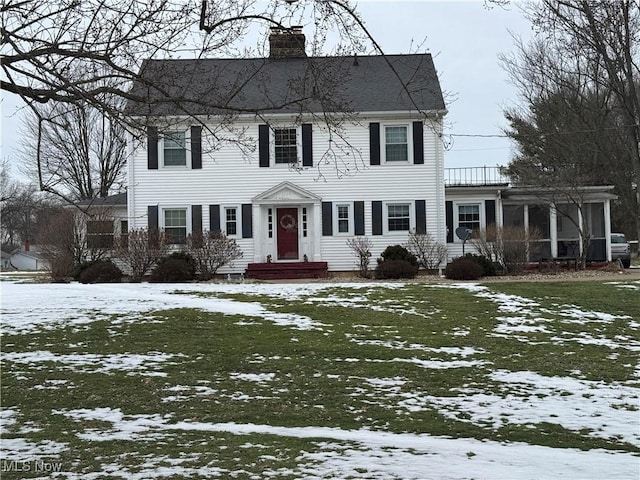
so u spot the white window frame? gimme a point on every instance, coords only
(187, 219)
(336, 219)
(238, 220)
(383, 143)
(456, 216)
(187, 148)
(272, 145)
(385, 217)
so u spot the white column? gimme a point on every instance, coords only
(607, 228)
(315, 231)
(553, 229)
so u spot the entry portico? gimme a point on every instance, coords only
(287, 222)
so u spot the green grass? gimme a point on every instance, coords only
(322, 377)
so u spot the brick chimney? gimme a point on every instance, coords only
(286, 43)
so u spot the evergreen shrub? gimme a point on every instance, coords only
(102, 271)
(171, 270)
(488, 267)
(463, 268)
(396, 262)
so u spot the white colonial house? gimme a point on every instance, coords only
(292, 156)
(291, 184)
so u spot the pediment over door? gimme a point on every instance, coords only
(286, 192)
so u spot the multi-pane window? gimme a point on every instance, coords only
(124, 232)
(175, 225)
(270, 222)
(398, 217)
(286, 146)
(343, 218)
(396, 143)
(469, 216)
(175, 150)
(304, 221)
(231, 220)
(99, 234)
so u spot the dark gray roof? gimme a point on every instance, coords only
(287, 85)
(110, 201)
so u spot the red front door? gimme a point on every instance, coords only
(287, 233)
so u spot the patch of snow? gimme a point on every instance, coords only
(135, 364)
(254, 377)
(368, 454)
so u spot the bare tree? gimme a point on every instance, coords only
(211, 251)
(90, 53)
(361, 248)
(511, 247)
(23, 211)
(140, 250)
(430, 253)
(74, 150)
(580, 80)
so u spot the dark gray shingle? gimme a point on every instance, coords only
(288, 85)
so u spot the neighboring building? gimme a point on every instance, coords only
(27, 257)
(105, 219)
(291, 189)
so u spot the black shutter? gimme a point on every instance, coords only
(214, 218)
(449, 217)
(490, 211)
(374, 143)
(358, 217)
(307, 145)
(247, 220)
(263, 145)
(196, 218)
(376, 218)
(152, 217)
(327, 219)
(418, 143)
(421, 216)
(152, 148)
(196, 147)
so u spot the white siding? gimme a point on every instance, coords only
(341, 173)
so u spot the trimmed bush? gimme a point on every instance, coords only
(488, 267)
(395, 269)
(187, 257)
(463, 268)
(102, 271)
(171, 270)
(398, 252)
(396, 262)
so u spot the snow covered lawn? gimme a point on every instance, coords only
(321, 380)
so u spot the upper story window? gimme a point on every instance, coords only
(469, 216)
(398, 217)
(175, 149)
(286, 145)
(175, 225)
(396, 143)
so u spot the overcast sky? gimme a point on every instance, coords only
(465, 39)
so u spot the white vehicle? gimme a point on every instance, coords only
(620, 249)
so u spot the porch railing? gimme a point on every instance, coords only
(475, 176)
